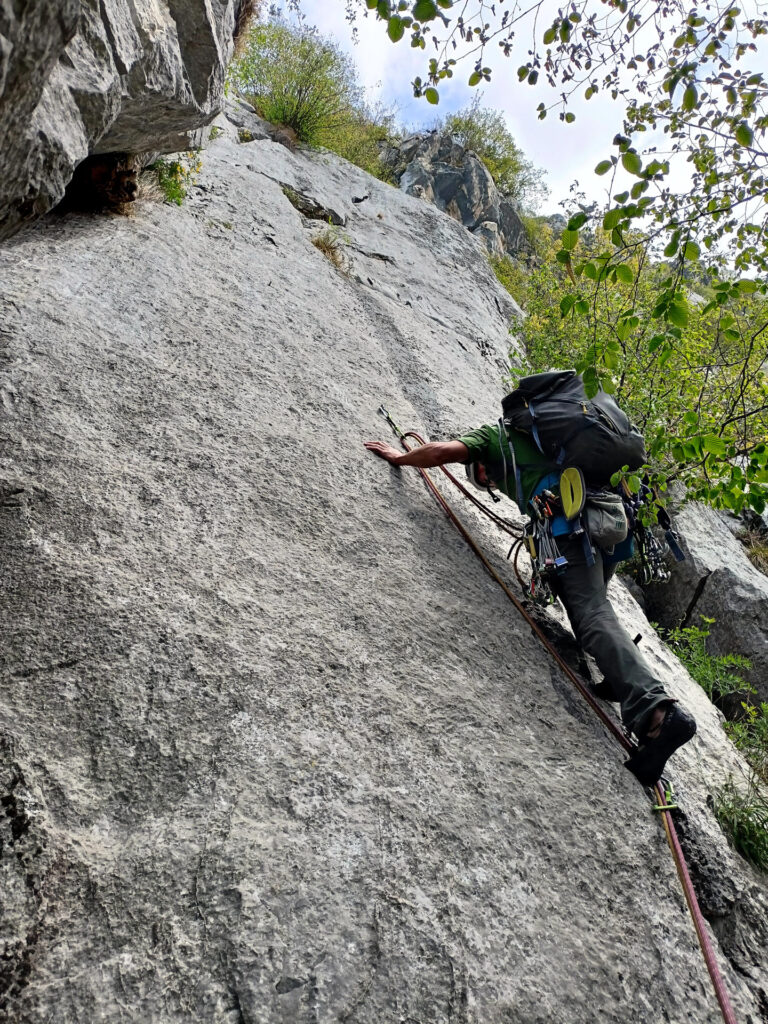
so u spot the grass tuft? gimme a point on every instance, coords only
(331, 244)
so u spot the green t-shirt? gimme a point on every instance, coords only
(484, 446)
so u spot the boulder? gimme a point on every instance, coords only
(101, 77)
(438, 169)
(717, 580)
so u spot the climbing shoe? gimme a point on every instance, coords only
(647, 763)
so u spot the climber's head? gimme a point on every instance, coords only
(477, 476)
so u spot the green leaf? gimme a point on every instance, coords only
(678, 314)
(475, 78)
(603, 167)
(744, 134)
(570, 117)
(566, 304)
(690, 98)
(432, 96)
(550, 35)
(590, 271)
(714, 444)
(746, 287)
(624, 273)
(611, 219)
(577, 220)
(563, 256)
(673, 246)
(522, 73)
(568, 239)
(424, 10)
(631, 162)
(382, 9)
(395, 28)
(582, 307)
(665, 355)
(591, 383)
(634, 483)
(691, 251)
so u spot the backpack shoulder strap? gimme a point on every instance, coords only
(505, 447)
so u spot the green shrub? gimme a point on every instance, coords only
(360, 140)
(301, 80)
(485, 132)
(296, 78)
(743, 815)
(176, 176)
(511, 275)
(750, 735)
(713, 672)
(741, 812)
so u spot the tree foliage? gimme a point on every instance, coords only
(297, 78)
(485, 132)
(696, 386)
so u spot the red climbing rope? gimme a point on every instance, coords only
(669, 826)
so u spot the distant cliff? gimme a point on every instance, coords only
(435, 167)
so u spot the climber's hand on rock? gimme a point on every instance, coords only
(384, 451)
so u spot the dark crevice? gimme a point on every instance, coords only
(18, 844)
(695, 599)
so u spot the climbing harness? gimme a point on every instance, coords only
(664, 805)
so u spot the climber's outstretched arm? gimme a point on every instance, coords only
(426, 456)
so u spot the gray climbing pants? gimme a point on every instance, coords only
(583, 589)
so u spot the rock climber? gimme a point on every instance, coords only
(659, 722)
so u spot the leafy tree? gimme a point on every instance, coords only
(696, 389)
(485, 131)
(683, 77)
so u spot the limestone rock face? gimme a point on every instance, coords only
(100, 76)
(274, 746)
(437, 168)
(717, 580)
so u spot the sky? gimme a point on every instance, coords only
(566, 152)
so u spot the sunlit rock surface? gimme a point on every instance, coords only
(275, 747)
